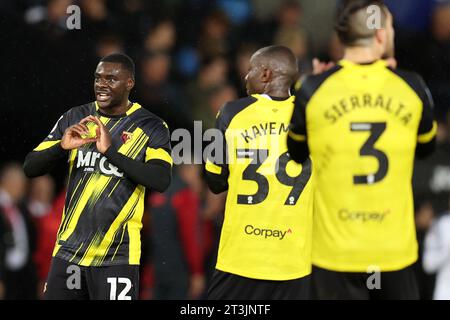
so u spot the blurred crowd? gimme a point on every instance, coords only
(191, 58)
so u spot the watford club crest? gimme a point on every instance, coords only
(126, 136)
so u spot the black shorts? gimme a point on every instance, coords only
(393, 285)
(227, 286)
(68, 281)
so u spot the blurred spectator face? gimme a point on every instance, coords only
(424, 216)
(42, 189)
(223, 95)
(335, 48)
(108, 45)
(191, 174)
(162, 37)
(216, 25)
(243, 62)
(14, 182)
(214, 73)
(389, 47)
(214, 35)
(133, 5)
(57, 10)
(156, 69)
(94, 9)
(448, 126)
(440, 26)
(40, 195)
(443, 132)
(295, 40)
(441, 135)
(290, 14)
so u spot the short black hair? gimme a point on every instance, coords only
(350, 30)
(280, 59)
(126, 62)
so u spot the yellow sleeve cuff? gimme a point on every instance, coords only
(297, 137)
(159, 154)
(213, 168)
(427, 137)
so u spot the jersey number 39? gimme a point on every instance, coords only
(250, 173)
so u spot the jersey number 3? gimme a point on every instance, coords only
(376, 129)
(250, 173)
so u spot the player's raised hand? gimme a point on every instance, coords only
(320, 67)
(197, 284)
(392, 62)
(103, 135)
(76, 136)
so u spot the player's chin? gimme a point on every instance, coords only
(104, 104)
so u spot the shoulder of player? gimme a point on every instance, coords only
(232, 108)
(147, 120)
(311, 83)
(413, 79)
(75, 114)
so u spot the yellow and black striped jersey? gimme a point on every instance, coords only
(101, 221)
(266, 232)
(362, 124)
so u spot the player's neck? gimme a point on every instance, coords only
(278, 91)
(280, 95)
(361, 55)
(117, 110)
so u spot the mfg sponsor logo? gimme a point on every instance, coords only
(266, 233)
(91, 160)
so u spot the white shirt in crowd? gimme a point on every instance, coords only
(436, 256)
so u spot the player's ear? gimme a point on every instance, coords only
(266, 75)
(130, 84)
(381, 36)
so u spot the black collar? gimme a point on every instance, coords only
(279, 98)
